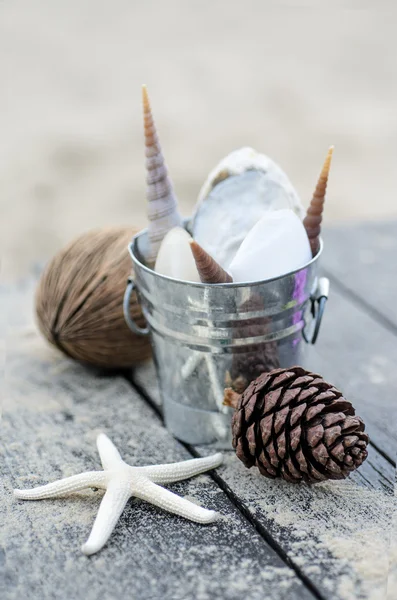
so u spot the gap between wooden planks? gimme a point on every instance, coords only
(257, 502)
(53, 410)
(310, 526)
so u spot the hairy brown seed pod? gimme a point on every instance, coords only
(79, 301)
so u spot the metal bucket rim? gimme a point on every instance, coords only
(217, 285)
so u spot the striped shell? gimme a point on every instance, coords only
(314, 215)
(162, 208)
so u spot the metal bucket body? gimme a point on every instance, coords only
(206, 337)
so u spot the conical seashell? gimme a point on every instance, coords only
(238, 192)
(174, 258)
(314, 215)
(209, 270)
(163, 212)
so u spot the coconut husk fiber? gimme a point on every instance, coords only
(79, 301)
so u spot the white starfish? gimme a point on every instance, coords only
(122, 481)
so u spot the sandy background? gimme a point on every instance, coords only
(288, 78)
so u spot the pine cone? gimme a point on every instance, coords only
(256, 358)
(291, 423)
(248, 367)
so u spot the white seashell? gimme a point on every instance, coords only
(175, 258)
(163, 211)
(276, 245)
(238, 192)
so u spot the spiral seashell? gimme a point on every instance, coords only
(314, 215)
(209, 270)
(163, 212)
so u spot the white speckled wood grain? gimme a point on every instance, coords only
(53, 412)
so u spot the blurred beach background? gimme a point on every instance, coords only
(287, 78)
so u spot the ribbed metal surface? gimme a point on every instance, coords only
(204, 334)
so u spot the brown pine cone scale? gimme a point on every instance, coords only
(291, 423)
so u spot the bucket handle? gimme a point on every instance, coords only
(126, 309)
(319, 301)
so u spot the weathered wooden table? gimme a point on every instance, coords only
(274, 539)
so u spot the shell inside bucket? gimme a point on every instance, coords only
(208, 337)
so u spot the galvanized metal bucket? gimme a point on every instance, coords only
(206, 337)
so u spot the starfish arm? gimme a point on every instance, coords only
(166, 500)
(64, 486)
(112, 505)
(109, 455)
(181, 470)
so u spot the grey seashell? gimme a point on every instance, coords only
(237, 193)
(163, 211)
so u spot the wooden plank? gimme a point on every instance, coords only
(339, 520)
(358, 354)
(53, 411)
(392, 579)
(332, 531)
(337, 532)
(363, 258)
(356, 347)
